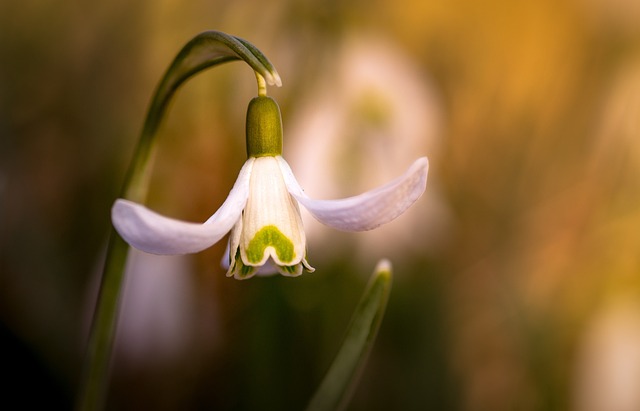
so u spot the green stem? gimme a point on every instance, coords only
(262, 85)
(206, 50)
(100, 343)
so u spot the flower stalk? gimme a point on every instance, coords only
(262, 85)
(204, 51)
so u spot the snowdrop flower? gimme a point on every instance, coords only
(607, 369)
(374, 105)
(262, 210)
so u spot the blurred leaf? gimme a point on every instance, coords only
(336, 388)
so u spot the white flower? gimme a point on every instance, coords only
(262, 210)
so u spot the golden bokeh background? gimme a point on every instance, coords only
(517, 275)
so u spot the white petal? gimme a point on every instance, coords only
(365, 211)
(151, 232)
(270, 207)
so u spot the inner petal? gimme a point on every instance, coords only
(270, 237)
(272, 226)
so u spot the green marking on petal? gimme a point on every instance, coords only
(270, 236)
(246, 271)
(239, 270)
(289, 268)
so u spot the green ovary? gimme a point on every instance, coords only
(270, 236)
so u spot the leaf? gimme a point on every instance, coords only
(337, 386)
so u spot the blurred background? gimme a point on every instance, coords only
(517, 274)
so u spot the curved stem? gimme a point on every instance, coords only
(206, 50)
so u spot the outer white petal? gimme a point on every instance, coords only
(151, 232)
(365, 211)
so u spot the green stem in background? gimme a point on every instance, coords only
(337, 386)
(206, 50)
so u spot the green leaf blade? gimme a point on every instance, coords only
(336, 388)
